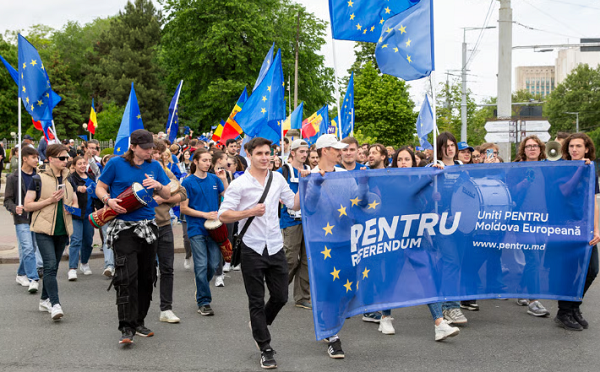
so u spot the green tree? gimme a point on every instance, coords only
(218, 48)
(127, 52)
(109, 121)
(580, 92)
(449, 103)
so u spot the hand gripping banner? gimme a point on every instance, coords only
(382, 239)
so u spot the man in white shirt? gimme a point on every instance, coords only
(263, 258)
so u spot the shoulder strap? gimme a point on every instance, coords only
(262, 200)
(285, 171)
(37, 181)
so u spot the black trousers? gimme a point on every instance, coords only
(257, 270)
(135, 273)
(566, 306)
(166, 256)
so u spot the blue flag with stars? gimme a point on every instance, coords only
(34, 83)
(132, 120)
(265, 67)
(347, 109)
(173, 120)
(405, 48)
(266, 105)
(425, 124)
(362, 20)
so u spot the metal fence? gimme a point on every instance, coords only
(9, 144)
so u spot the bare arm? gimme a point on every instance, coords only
(31, 205)
(185, 209)
(235, 216)
(102, 194)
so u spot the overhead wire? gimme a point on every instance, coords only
(551, 16)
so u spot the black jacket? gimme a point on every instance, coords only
(82, 197)
(11, 198)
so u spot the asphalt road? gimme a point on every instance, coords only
(500, 337)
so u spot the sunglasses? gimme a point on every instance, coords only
(93, 148)
(62, 158)
(229, 164)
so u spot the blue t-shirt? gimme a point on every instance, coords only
(88, 207)
(174, 159)
(203, 196)
(286, 220)
(119, 175)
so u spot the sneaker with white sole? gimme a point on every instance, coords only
(522, 302)
(57, 312)
(455, 316)
(536, 308)
(169, 317)
(34, 285)
(267, 361)
(226, 267)
(72, 275)
(85, 269)
(109, 272)
(385, 326)
(237, 268)
(45, 305)
(445, 330)
(22, 280)
(220, 281)
(187, 264)
(334, 349)
(374, 317)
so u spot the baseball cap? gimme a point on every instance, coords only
(71, 141)
(27, 137)
(329, 140)
(298, 143)
(464, 146)
(142, 138)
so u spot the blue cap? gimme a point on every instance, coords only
(419, 148)
(464, 146)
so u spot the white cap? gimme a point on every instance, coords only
(71, 141)
(329, 140)
(298, 143)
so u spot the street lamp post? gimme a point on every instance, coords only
(85, 127)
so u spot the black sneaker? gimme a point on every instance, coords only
(579, 318)
(206, 310)
(335, 350)
(126, 337)
(469, 305)
(143, 331)
(266, 359)
(566, 321)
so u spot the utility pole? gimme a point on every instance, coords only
(505, 72)
(296, 67)
(577, 120)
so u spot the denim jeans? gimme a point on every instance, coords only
(51, 248)
(207, 256)
(27, 252)
(81, 242)
(435, 309)
(109, 255)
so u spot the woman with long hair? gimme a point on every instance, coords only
(186, 160)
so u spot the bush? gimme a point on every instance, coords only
(107, 151)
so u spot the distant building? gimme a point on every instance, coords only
(537, 80)
(569, 59)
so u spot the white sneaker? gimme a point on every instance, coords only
(169, 317)
(445, 330)
(45, 305)
(57, 312)
(187, 264)
(237, 268)
(23, 280)
(72, 275)
(385, 326)
(109, 272)
(220, 281)
(34, 285)
(226, 267)
(85, 269)
(455, 316)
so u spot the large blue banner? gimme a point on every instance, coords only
(382, 239)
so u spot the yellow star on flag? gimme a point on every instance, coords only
(139, 116)
(374, 204)
(24, 65)
(42, 66)
(269, 88)
(382, 21)
(352, 16)
(326, 253)
(408, 42)
(395, 50)
(365, 31)
(27, 99)
(372, 28)
(366, 273)
(388, 30)
(348, 285)
(380, 39)
(335, 273)
(342, 211)
(409, 59)
(328, 229)
(39, 103)
(355, 201)
(264, 98)
(47, 95)
(24, 90)
(33, 62)
(402, 29)
(387, 10)
(358, 27)
(384, 46)
(31, 107)
(350, 3)
(263, 110)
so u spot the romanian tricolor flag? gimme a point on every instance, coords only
(232, 129)
(311, 125)
(93, 123)
(218, 132)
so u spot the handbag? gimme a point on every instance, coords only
(236, 256)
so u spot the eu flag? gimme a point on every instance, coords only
(11, 70)
(266, 106)
(132, 120)
(362, 20)
(425, 124)
(405, 48)
(173, 121)
(347, 109)
(265, 67)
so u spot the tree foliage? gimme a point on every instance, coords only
(109, 120)
(449, 104)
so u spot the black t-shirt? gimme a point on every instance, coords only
(27, 178)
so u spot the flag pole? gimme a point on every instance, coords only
(433, 110)
(337, 89)
(56, 140)
(175, 108)
(19, 153)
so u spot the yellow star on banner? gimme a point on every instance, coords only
(328, 229)
(348, 285)
(352, 16)
(395, 50)
(39, 103)
(350, 3)
(33, 62)
(264, 98)
(387, 10)
(374, 204)
(263, 110)
(335, 273)
(24, 90)
(326, 253)
(355, 201)
(408, 42)
(139, 116)
(269, 88)
(402, 29)
(366, 273)
(358, 27)
(384, 46)
(409, 59)
(342, 211)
